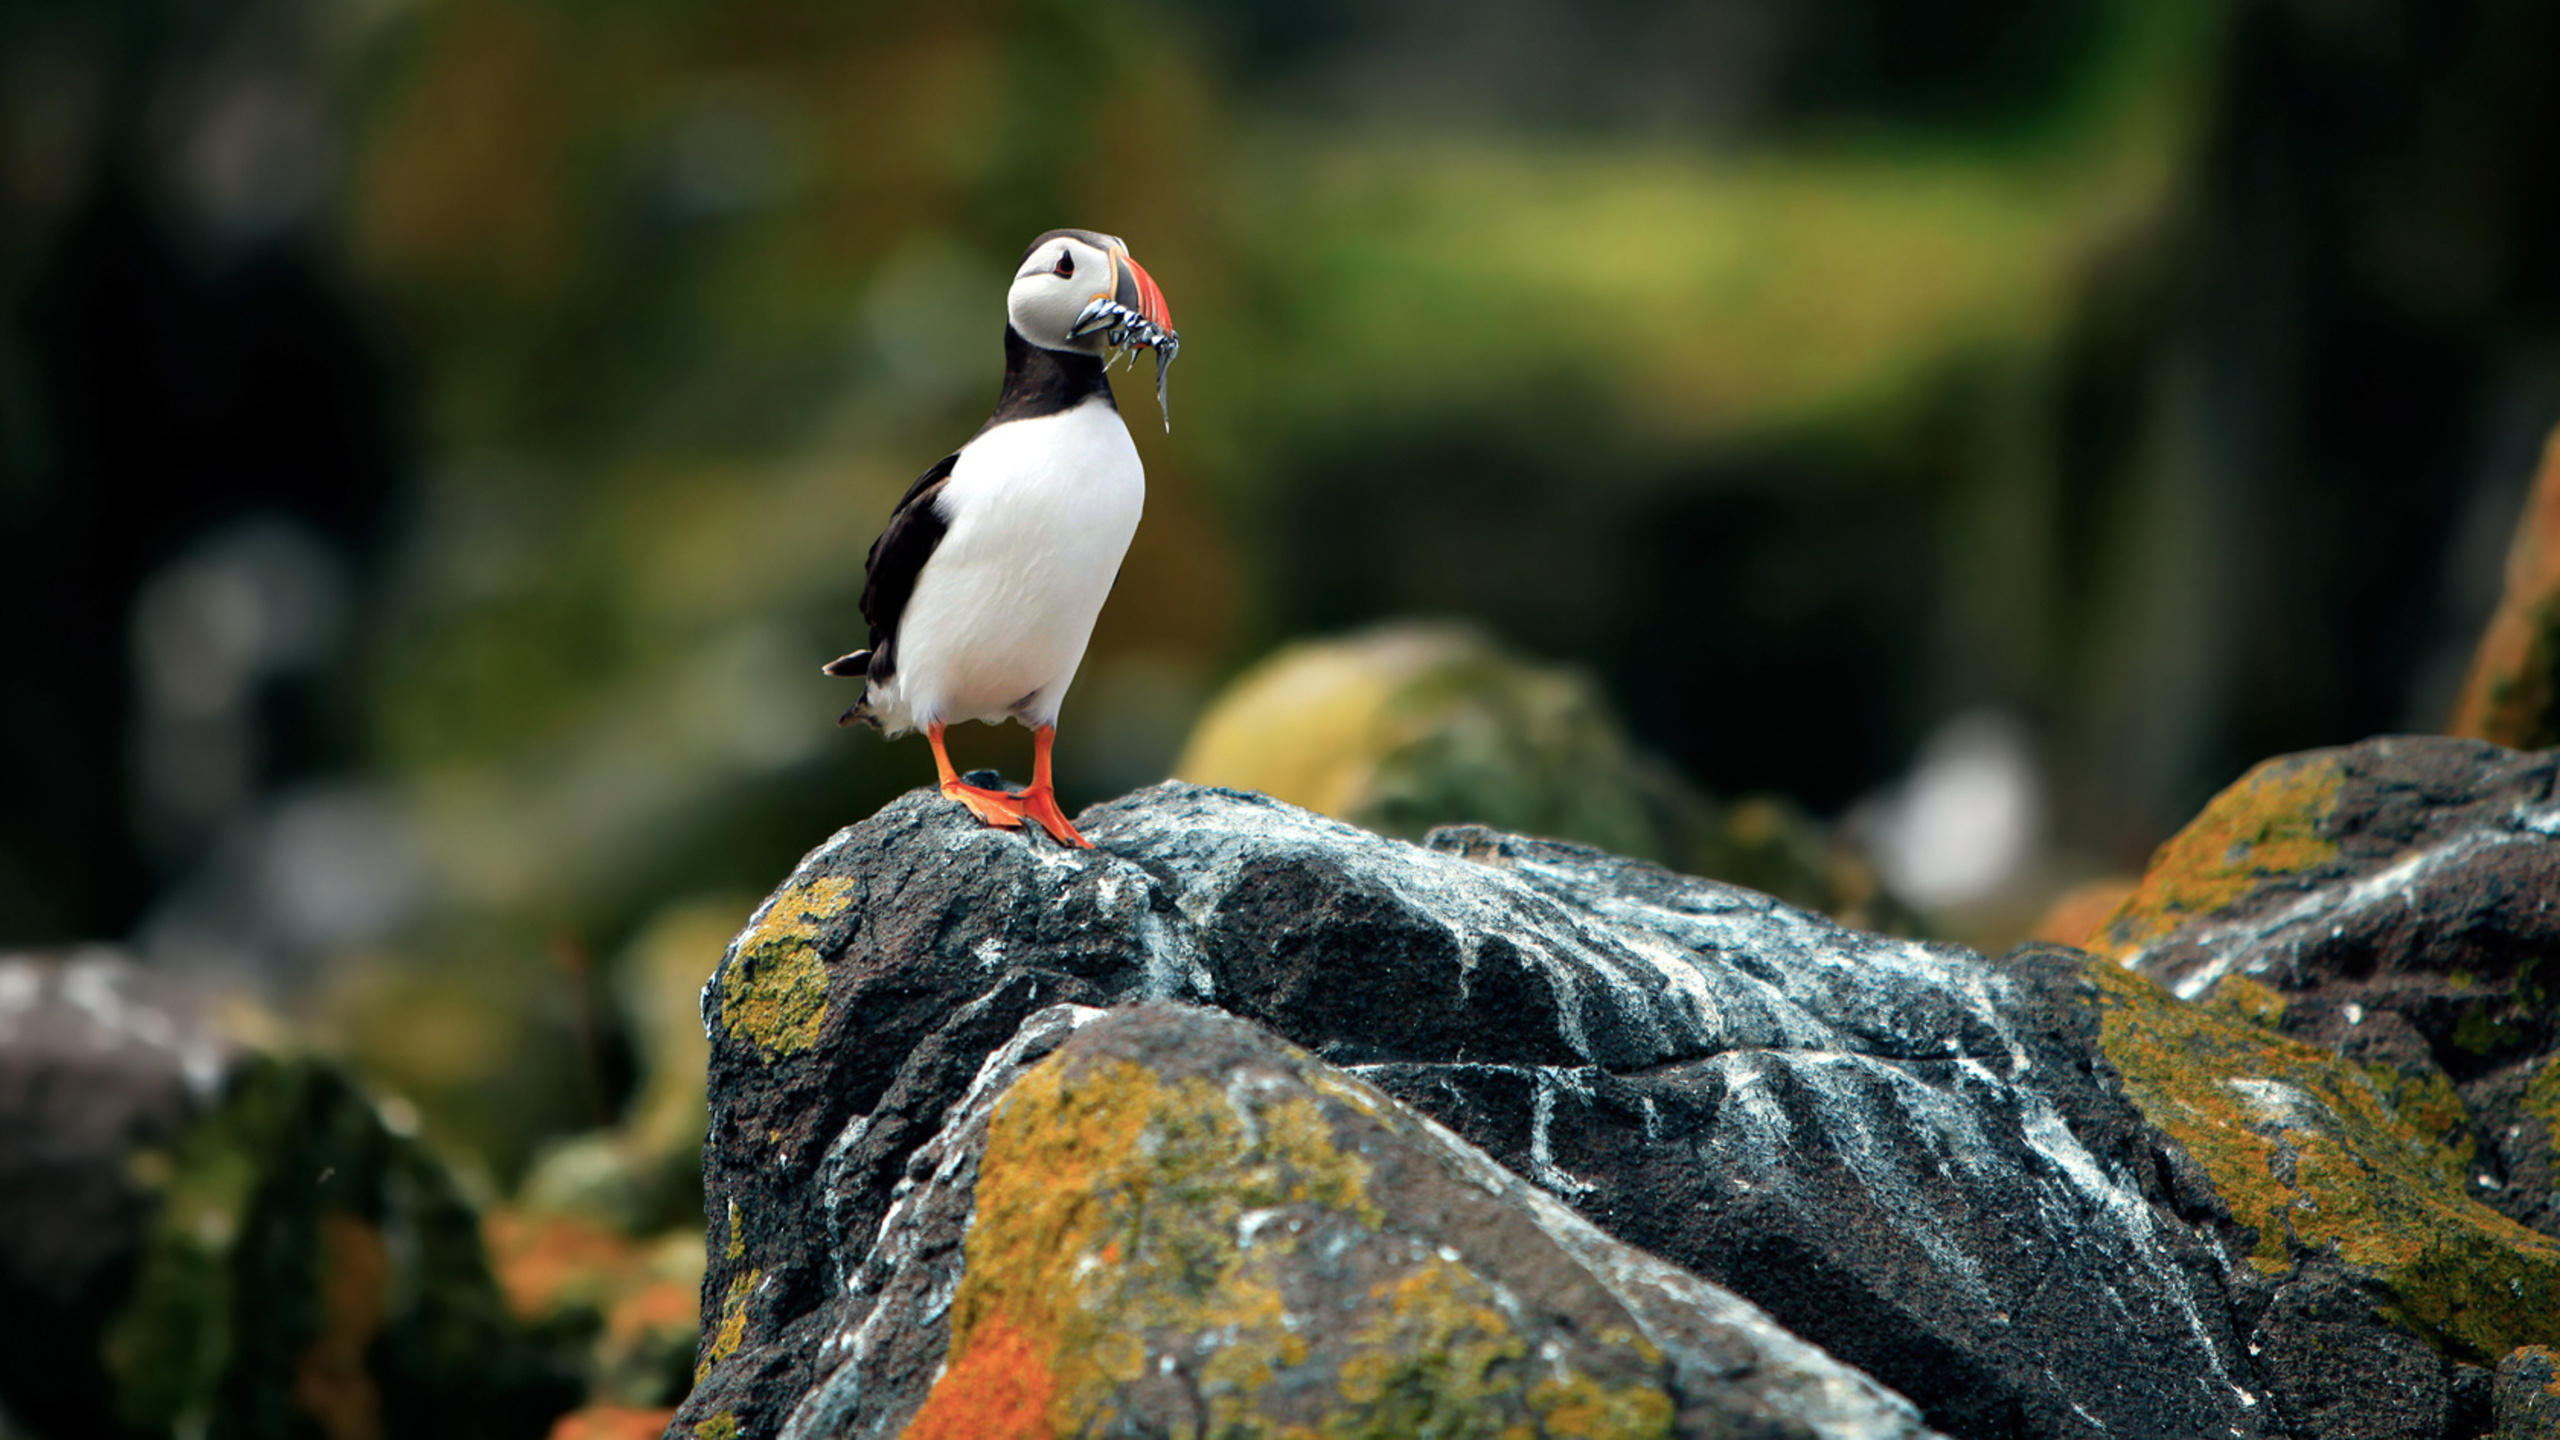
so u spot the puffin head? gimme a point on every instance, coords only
(1080, 292)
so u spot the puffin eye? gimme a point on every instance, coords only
(1066, 264)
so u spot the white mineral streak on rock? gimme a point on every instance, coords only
(1176, 970)
(1542, 1119)
(2278, 1105)
(2134, 1221)
(1859, 1101)
(1707, 968)
(2252, 945)
(1798, 1380)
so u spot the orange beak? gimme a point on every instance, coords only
(1138, 290)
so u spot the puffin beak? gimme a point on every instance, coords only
(1138, 290)
(1135, 312)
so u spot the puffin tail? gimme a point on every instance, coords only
(856, 666)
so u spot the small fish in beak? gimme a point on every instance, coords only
(1135, 313)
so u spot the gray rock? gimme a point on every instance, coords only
(1527, 1288)
(200, 1238)
(2528, 1394)
(101, 1069)
(1907, 1154)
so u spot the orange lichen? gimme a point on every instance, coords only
(2266, 826)
(2512, 695)
(1122, 1219)
(331, 1383)
(1000, 1389)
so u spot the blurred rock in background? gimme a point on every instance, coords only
(1412, 725)
(208, 1234)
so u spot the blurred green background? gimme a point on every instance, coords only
(439, 438)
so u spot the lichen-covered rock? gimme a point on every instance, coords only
(1415, 724)
(2512, 695)
(1915, 1158)
(1175, 1223)
(2528, 1394)
(100, 1074)
(255, 1253)
(2307, 1155)
(2396, 902)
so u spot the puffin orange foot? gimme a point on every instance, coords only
(995, 807)
(1041, 803)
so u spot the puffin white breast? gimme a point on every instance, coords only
(1039, 514)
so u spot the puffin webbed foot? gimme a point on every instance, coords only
(1041, 803)
(998, 808)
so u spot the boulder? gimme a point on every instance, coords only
(202, 1237)
(1415, 724)
(2528, 1395)
(100, 1074)
(2512, 694)
(1174, 1222)
(1933, 1166)
(2396, 903)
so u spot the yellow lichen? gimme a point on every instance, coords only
(2265, 826)
(1117, 1211)
(1439, 1360)
(774, 992)
(737, 1240)
(2310, 1151)
(723, 1426)
(733, 1323)
(2542, 1093)
(2245, 999)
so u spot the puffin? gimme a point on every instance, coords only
(982, 590)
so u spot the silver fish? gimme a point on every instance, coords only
(1123, 329)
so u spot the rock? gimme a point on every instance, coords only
(2528, 1394)
(1921, 1161)
(1416, 724)
(200, 1234)
(2512, 695)
(100, 1074)
(2305, 1160)
(1173, 1220)
(2397, 903)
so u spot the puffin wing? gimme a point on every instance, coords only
(897, 558)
